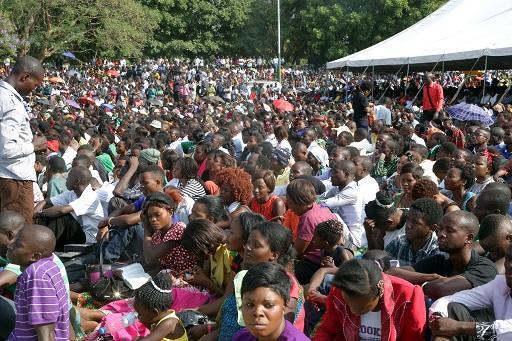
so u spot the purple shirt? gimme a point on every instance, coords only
(41, 298)
(290, 333)
(307, 225)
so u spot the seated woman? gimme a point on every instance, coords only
(212, 209)
(207, 242)
(235, 190)
(240, 229)
(367, 304)
(301, 199)
(265, 293)
(264, 202)
(267, 242)
(217, 161)
(485, 166)
(393, 184)
(409, 174)
(185, 171)
(56, 176)
(457, 182)
(426, 188)
(161, 236)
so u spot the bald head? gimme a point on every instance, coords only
(26, 75)
(28, 65)
(492, 224)
(465, 220)
(346, 166)
(82, 174)
(300, 168)
(33, 242)
(10, 220)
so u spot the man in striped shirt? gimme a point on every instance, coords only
(41, 299)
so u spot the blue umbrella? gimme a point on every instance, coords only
(69, 54)
(108, 106)
(470, 112)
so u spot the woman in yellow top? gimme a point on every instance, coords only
(207, 242)
(152, 302)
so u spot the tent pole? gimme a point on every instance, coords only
(485, 77)
(462, 83)
(389, 85)
(407, 79)
(373, 81)
(346, 88)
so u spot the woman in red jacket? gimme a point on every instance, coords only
(365, 304)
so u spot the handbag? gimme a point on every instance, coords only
(108, 289)
(191, 318)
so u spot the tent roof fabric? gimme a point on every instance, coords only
(456, 35)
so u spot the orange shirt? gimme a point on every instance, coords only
(433, 97)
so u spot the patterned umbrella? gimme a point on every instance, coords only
(470, 112)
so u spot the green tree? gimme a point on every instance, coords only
(9, 41)
(196, 27)
(107, 28)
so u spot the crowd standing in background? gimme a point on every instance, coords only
(326, 206)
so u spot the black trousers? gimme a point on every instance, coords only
(67, 230)
(460, 312)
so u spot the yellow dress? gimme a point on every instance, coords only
(172, 314)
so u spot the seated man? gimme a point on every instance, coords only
(127, 241)
(420, 240)
(346, 200)
(463, 269)
(41, 296)
(495, 236)
(461, 315)
(73, 215)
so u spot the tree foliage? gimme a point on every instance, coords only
(198, 27)
(321, 30)
(107, 28)
(311, 30)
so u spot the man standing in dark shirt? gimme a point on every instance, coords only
(361, 105)
(462, 268)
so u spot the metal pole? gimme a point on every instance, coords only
(407, 79)
(279, 40)
(485, 77)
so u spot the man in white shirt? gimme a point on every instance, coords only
(235, 132)
(361, 142)
(17, 144)
(346, 200)
(81, 203)
(67, 152)
(383, 112)
(461, 314)
(368, 186)
(407, 131)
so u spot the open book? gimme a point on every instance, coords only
(133, 275)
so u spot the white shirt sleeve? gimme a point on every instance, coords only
(341, 199)
(475, 299)
(62, 199)
(86, 203)
(13, 146)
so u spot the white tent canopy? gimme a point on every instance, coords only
(456, 35)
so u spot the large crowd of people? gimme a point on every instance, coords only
(324, 206)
